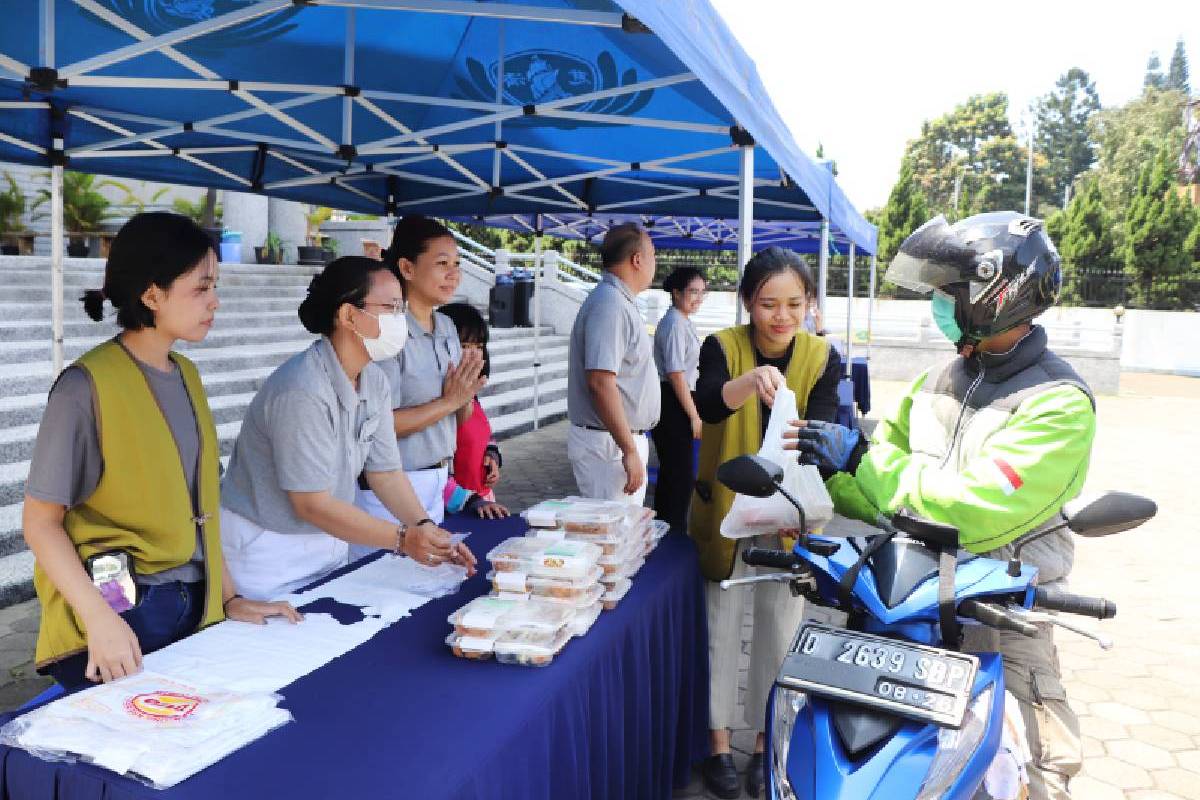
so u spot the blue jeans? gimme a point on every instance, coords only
(166, 613)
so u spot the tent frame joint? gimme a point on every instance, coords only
(631, 24)
(347, 152)
(740, 136)
(45, 79)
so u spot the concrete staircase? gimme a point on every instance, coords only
(256, 330)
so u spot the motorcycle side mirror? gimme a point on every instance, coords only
(1093, 516)
(1107, 513)
(751, 475)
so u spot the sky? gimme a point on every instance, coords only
(860, 76)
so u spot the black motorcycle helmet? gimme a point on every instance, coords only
(999, 268)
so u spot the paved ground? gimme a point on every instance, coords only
(1139, 703)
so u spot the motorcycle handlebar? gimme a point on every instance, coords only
(996, 617)
(775, 559)
(1058, 600)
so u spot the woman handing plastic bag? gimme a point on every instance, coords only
(751, 516)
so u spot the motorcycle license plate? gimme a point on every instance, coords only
(911, 680)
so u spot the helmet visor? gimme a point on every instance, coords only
(931, 258)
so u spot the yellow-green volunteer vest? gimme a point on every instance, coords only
(740, 434)
(142, 504)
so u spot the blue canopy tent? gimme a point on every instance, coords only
(446, 107)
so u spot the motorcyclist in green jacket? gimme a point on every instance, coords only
(994, 442)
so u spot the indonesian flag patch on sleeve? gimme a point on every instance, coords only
(1006, 477)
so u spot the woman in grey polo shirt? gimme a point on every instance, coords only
(677, 356)
(432, 381)
(321, 419)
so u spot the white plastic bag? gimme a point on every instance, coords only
(752, 516)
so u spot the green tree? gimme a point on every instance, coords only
(974, 148)
(1084, 235)
(1128, 139)
(1177, 73)
(904, 213)
(1154, 78)
(1157, 227)
(1062, 129)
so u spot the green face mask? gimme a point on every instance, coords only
(942, 309)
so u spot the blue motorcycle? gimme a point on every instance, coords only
(888, 707)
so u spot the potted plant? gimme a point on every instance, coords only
(272, 250)
(330, 247)
(313, 253)
(12, 209)
(206, 213)
(85, 209)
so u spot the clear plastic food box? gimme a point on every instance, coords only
(521, 650)
(490, 617)
(597, 521)
(566, 559)
(472, 647)
(563, 589)
(586, 617)
(615, 594)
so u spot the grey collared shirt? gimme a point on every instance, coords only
(416, 377)
(309, 430)
(677, 347)
(610, 335)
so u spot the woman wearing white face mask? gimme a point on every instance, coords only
(322, 418)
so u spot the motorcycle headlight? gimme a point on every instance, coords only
(788, 703)
(954, 747)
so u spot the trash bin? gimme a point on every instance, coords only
(500, 303)
(523, 298)
(231, 247)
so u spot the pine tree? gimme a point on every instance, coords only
(1062, 129)
(905, 211)
(1154, 78)
(1085, 239)
(1157, 226)
(1177, 74)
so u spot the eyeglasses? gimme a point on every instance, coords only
(695, 292)
(398, 307)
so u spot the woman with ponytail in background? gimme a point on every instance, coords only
(320, 420)
(433, 382)
(122, 495)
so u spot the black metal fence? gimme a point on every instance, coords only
(1090, 288)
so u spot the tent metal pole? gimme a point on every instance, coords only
(46, 25)
(745, 217)
(348, 79)
(499, 99)
(849, 308)
(823, 266)
(871, 305)
(537, 321)
(56, 265)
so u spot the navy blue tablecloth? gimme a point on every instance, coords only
(621, 713)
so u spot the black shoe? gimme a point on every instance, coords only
(720, 776)
(754, 775)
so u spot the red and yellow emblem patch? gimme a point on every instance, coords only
(162, 706)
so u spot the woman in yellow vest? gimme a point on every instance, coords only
(740, 370)
(121, 506)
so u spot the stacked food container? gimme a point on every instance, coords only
(624, 533)
(545, 592)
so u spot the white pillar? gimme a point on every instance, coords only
(537, 321)
(503, 261)
(549, 266)
(745, 217)
(288, 219)
(247, 213)
(56, 264)
(823, 267)
(849, 308)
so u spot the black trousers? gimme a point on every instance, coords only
(673, 443)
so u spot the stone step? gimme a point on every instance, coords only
(76, 281)
(518, 422)
(16, 578)
(96, 265)
(26, 351)
(248, 303)
(38, 331)
(504, 403)
(15, 293)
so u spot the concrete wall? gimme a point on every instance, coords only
(350, 233)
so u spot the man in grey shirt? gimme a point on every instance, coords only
(612, 386)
